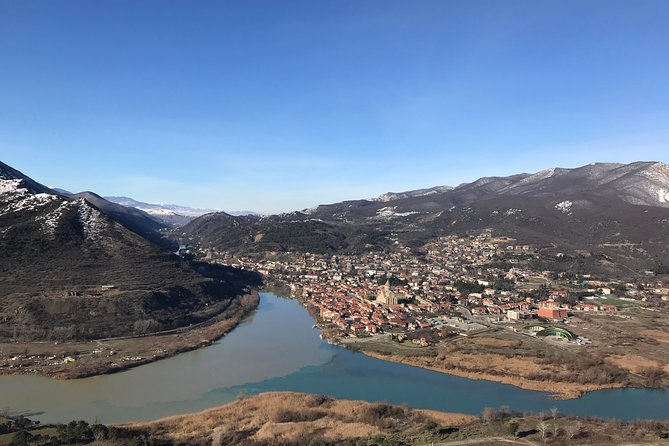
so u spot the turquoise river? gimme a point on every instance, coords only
(276, 349)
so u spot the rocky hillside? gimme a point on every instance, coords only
(390, 196)
(134, 219)
(69, 270)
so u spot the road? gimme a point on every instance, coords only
(475, 441)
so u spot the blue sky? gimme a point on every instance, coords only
(281, 105)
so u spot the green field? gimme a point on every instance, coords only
(618, 302)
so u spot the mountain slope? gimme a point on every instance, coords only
(390, 196)
(68, 270)
(642, 183)
(134, 219)
(618, 210)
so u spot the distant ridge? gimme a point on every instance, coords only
(171, 214)
(619, 210)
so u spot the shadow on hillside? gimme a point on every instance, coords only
(236, 281)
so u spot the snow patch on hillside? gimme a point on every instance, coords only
(389, 212)
(9, 186)
(51, 221)
(92, 221)
(162, 212)
(542, 175)
(20, 199)
(564, 207)
(390, 196)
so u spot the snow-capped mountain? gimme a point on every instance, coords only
(28, 205)
(59, 252)
(134, 219)
(159, 208)
(171, 214)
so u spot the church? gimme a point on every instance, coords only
(386, 296)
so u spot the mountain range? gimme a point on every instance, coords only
(87, 267)
(78, 266)
(615, 213)
(168, 214)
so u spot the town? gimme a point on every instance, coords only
(458, 284)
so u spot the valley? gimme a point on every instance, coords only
(350, 222)
(92, 289)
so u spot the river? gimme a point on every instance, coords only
(277, 349)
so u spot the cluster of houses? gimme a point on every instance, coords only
(397, 290)
(359, 316)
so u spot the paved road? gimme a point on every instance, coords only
(475, 441)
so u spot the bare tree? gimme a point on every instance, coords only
(573, 429)
(554, 412)
(144, 326)
(489, 414)
(543, 428)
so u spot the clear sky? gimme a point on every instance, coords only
(280, 105)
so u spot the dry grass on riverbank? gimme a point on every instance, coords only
(629, 349)
(286, 418)
(293, 418)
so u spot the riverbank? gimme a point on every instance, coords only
(564, 370)
(559, 390)
(291, 418)
(298, 418)
(477, 366)
(70, 360)
(278, 350)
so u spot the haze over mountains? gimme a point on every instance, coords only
(169, 214)
(161, 215)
